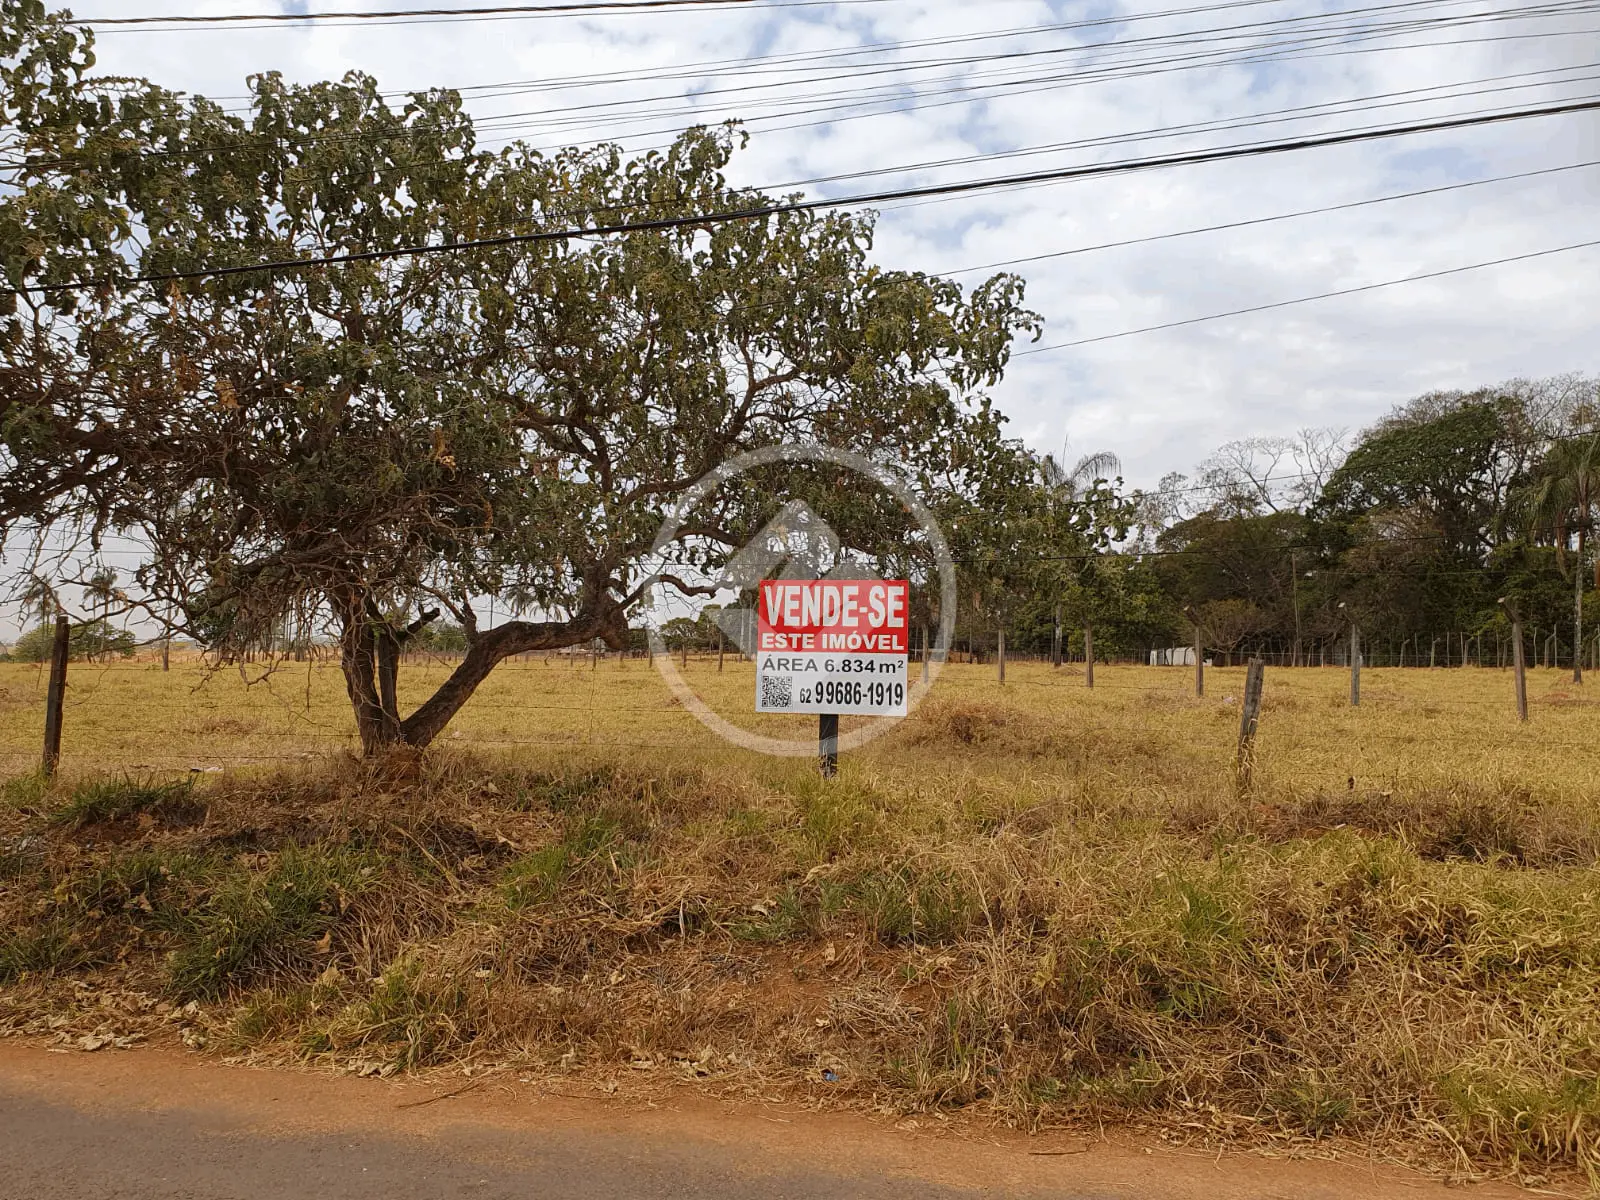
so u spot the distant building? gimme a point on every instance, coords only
(1178, 656)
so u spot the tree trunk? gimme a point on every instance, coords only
(493, 646)
(358, 659)
(1055, 638)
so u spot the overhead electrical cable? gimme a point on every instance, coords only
(754, 63)
(893, 107)
(698, 220)
(435, 16)
(1350, 291)
(1330, 108)
(578, 6)
(1268, 220)
(570, 115)
(486, 123)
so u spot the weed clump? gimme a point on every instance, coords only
(101, 801)
(268, 922)
(416, 1015)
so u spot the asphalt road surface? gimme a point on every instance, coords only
(155, 1125)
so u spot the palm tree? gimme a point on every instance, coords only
(102, 587)
(39, 599)
(1083, 473)
(1068, 484)
(1560, 503)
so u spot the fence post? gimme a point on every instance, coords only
(1088, 652)
(1518, 665)
(1199, 652)
(55, 696)
(828, 744)
(1249, 719)
(1355, 665)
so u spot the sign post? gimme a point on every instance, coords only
(833, 647)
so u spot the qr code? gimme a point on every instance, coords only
(777, 691)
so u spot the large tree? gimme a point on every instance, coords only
(406, 432)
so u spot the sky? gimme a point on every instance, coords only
(897, 89)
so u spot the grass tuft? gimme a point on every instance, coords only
(99, 801)
(267, 922)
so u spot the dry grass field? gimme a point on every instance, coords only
(1033, 902)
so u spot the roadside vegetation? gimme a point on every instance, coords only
(1035, 904)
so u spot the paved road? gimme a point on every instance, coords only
(159, 1125)
(56, 1153)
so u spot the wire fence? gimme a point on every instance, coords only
(133, 715)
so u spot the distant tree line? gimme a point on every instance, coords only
(1413, 529)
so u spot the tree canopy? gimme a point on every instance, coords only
(406, 432)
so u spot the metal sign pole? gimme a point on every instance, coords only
(828, 743)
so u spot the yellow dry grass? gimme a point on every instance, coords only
(1140, 728)
(1034, 900)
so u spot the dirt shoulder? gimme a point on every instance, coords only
(174, 1124)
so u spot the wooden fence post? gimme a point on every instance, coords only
(1000, 655)
(1249, 720)
(1355, 665)
(828, 744)
(55, 696)
(1199, 652)
(1518, 665)
(1088, 652)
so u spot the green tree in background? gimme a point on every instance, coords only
(1559, 503)
(97, 639)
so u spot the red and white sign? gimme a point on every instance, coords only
(833, 646)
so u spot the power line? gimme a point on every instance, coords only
(253, 21)
(403, 13)
(970, 92)
(664, 224)
(1366, 287)
(753, 65)
(1304, 212)
(628, 110)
